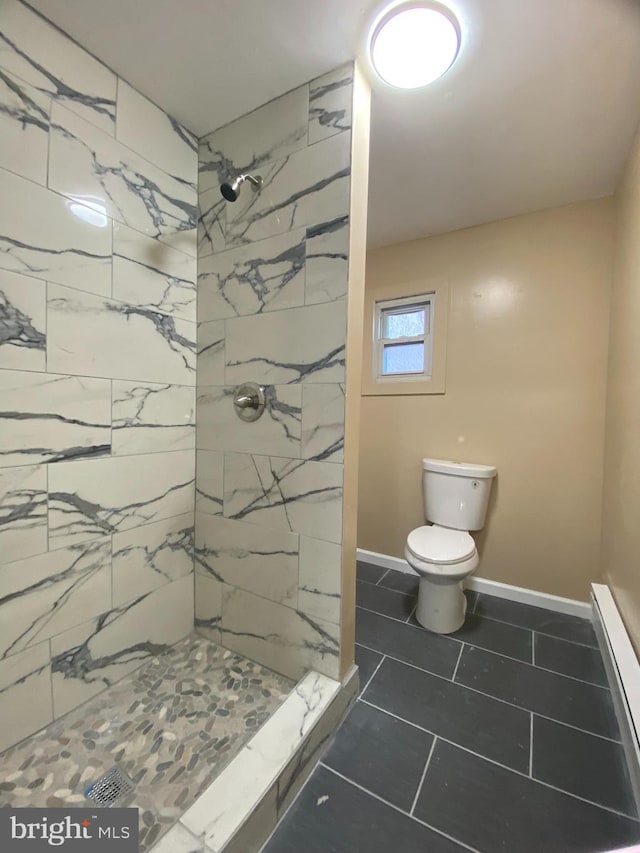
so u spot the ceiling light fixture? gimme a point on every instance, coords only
(412, 44)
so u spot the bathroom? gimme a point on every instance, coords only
(179, 609)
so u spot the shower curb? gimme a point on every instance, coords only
(241, 807)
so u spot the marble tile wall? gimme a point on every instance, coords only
(272, 309)
(98, 228)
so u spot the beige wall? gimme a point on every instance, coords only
(525, 390)
(621, 507)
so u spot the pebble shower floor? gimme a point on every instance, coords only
(170, 727)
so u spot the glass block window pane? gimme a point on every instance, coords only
(404, 325)
(403, 358)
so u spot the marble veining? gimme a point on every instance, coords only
(105, 337)
(46, 58)
(282, 636)
(330, 104)
(304, 344)
(23, 512)
(323, 422)
(232, 797)
(22, 322)
(320, 579)
(24, 128)
(208, 607)
(43, 235)
(40, 596)
(98, 272)
(264, 562)
(87, 499)
(51, 418)
(249, 280)
(210, 353)
(301, 496)
(247, 144)
(86, 163)
(209, 478)
(152, 418)
(278, 432)
(25, 694)
(150, 556)
(212, 218)
(272, 288)
(304, 189)
(92, 656)
(327, 267)
(151, 275)
(145, 128)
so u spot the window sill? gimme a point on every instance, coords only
(406, 387)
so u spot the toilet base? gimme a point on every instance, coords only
(442, 604)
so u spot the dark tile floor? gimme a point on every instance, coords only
(500, 737)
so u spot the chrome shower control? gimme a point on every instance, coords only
(249, 401)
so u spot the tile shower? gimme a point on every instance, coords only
(272, 286)
(132, 297)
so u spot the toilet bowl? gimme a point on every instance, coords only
(443, 554)
(443, 558)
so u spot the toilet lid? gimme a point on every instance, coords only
(440, 544)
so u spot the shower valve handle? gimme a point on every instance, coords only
(244, 401)
(249, 401)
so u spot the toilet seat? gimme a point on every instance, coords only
(440, 545)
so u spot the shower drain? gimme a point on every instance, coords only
(110, 788)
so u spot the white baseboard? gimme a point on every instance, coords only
(556, 603)
(623, 673)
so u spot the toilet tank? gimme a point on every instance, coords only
(456, 494)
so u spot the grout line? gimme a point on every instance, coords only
(531, 747)
(577, 729)
(281, 817)
(112, 607)
(487, 695)
(46, 501)
(381, 578)
(373, 675)
(114, 378)
(498, 764)
(438, 736)
(533, 649)
(475, 601)
(485, 649)
(396, 808)
(455, 671)
(571, 677)
(110, 457)
(53, 704)
(409, 617)
(423, 777)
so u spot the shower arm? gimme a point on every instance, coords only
(256, 183)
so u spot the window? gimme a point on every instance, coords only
(403, 338)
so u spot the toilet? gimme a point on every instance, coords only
(456, 496)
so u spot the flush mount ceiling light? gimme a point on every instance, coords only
(412, 44)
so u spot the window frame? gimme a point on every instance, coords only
(383, 308)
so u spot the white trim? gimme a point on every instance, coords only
(500, 590)
(384, 561)
(623, 673)
(404, 305)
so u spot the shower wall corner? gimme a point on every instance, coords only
(280, 289)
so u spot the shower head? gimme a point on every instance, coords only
(232, 191)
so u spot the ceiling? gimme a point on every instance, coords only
(539, 110)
